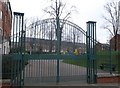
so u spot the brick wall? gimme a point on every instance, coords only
(6, 25)
(112, 79)
(6, 21)
(112, 42)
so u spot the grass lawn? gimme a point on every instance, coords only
(80, 62)
(101, 57)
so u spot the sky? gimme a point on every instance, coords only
(86, 10)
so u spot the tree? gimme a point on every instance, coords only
(32, 33)
(56, 12)
(112, 20)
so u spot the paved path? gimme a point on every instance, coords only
(39, 72)
(45, 71)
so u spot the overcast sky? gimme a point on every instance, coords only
(86, 10)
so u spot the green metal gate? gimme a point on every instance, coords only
(48, 51)
(55, 60)
(17, 51)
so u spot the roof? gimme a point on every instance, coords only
(118, 35)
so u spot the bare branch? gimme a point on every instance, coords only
(106, 27)
(62, 9)
(109, 20)
(112, 10)
(53, 8)
(50, 12)
(65, 18)
(60, 4)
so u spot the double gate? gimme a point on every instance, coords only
(51, 52)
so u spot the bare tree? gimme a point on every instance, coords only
(112, 20)
(32, 32)
(56, 12)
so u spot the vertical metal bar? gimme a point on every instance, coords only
(13, 33)
(110, 61)
(41, 69)
(18, 79)
(21, 40)
(17, 64)
(91, 37)
(88, 56)
(95, 59)
(16, 47)
(1, 66)
(58, 49)
(39, 73)
(19, 35)
(11, 81)
(16, 33)
(14, 61)
(91, 42)
(91, 52)
(23, 50)
(95, 54)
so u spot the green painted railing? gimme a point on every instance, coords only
(45, 56)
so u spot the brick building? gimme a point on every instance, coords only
(5, 24)
(112, 42)
(102, 47)
(42, 45)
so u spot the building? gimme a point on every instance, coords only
(116, 42)
(5, 24)
(44, 45)
(112, 42)
(102, 47)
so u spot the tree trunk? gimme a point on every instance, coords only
(115, 43)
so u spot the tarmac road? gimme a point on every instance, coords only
(45, 71)
(39, 72)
